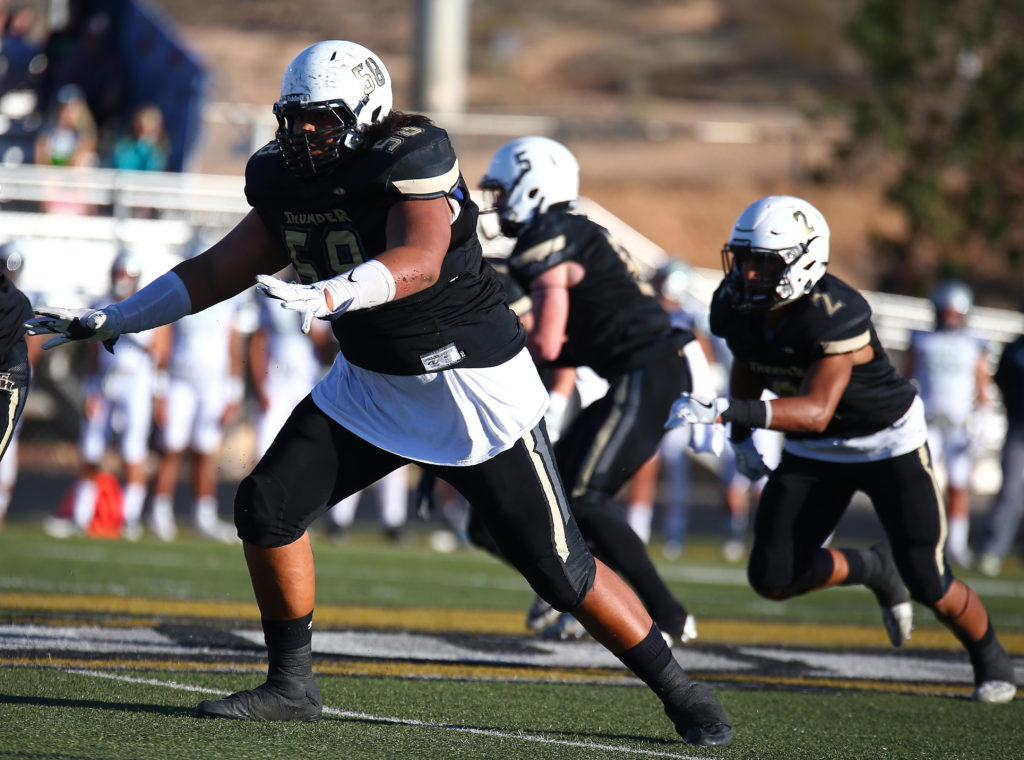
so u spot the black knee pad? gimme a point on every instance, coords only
(563, 586)
(766, 582)
(259, 513)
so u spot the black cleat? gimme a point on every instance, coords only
(699, 717)
(267, 702)
(885, 582)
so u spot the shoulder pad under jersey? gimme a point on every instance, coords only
(544, 243)
(414, 162)
(835, 317)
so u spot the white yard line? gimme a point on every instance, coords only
(398, 721)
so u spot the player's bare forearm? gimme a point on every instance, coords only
(231, 265)
(822, 388)
(418, 236)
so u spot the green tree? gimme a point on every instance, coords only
(944, 95)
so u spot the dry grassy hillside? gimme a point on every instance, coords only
(607, 71)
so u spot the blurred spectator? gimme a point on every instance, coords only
(118, 401)
(1004, 518)
(94, 65)
(950, 367)
(203, 394)
(68, 136)
(285, 363)
(21, 60)
(392, 495)
(144, 147)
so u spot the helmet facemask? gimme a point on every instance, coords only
(766, 279)
(496, 202)
(312, 154)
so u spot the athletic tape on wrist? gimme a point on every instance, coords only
(369, 284)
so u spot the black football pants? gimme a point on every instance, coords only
(15, 377)
(314, 462)
(804, 499)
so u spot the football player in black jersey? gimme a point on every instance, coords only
(15, 373)
(851, 423)
(369, 206)
(592, 308)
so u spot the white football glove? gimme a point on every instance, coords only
(554, 417)
(76, 324)
(748, 460)
(697, 410)
(309, 299)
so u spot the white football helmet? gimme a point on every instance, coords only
(777, 252)
(125, 272)
(952, 298)
(673, 280)
(339, 87)
(11, 259)
(527, 177)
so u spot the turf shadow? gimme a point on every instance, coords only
(507, 730)
(96, 704)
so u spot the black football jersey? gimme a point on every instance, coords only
(331, 224)
(615, 320)
(14, 310)
(832, 319)
(517, 299)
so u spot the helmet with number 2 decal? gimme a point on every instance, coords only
(777, 252)
(330, 93)
(527, 177)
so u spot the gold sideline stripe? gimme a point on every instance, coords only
(433, 620)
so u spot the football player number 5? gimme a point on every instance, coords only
(340, 244)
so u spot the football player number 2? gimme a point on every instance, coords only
(340, 244)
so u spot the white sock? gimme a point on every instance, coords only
(84, 506)
(639, 518)
(958, 527)
(393, 493)
(344, 511)
(5, 502)
(205, 510)
(134, 499)
(163, 505)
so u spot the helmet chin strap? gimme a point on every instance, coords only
(353, 138)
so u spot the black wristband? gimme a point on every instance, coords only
(748, 412)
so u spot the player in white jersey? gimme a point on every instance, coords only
(203, 394)
(285, 364)
(118, 402)
(950, 367)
